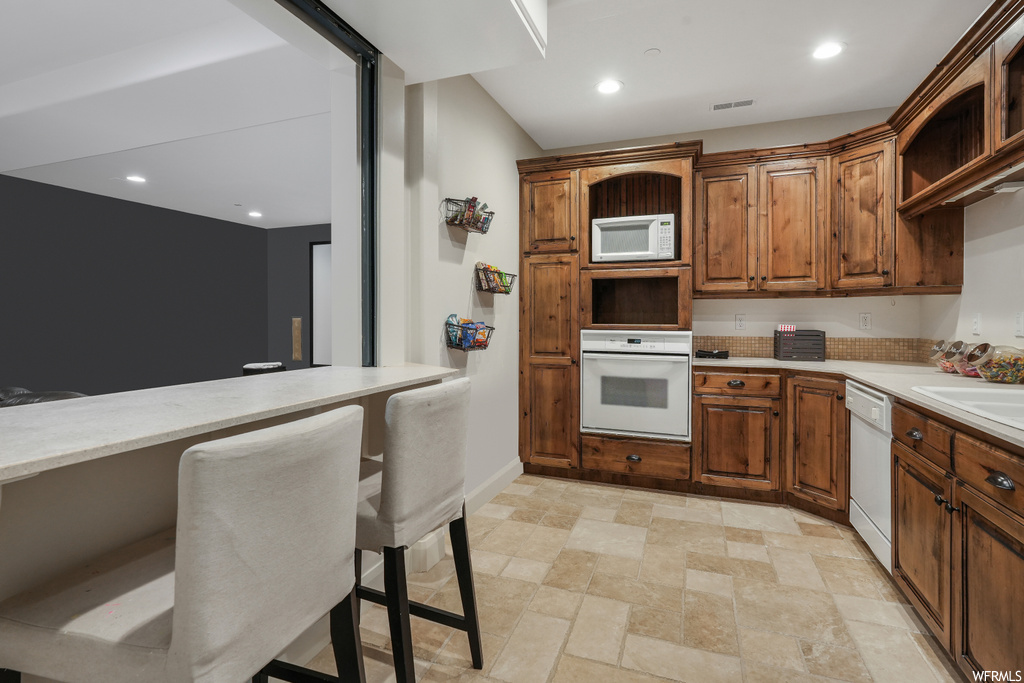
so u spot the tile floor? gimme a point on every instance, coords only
(584, 583)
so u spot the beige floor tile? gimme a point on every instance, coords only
(746, 569)
(744, 535)
(598, 630)
(520, 489)
(572, 570)
(755, 672)
(506, 538)
(619, 566)
(690, 536)
(531, 650)
(709, 623)
(379, 666)
(704, 503)
(576, 670)
(598, 513)
(936, 658)
(836, 547)
(655, 497)
(446, 673)
(687, 514)
(663, 564)
(747, 551)
(634, 513)
(772, 649)
(456, 652)
(556, 602)
(607, 538)
(891, 654)
(819, 530)
(878, 612)
(496, 511)
(558, 521)
(759, 517)
(709, 582)
(802, 517)
(656, 623)
(527, 515)
(486, 562)
(499, 600)
(838, 662)
(544, 544)
(796, 568)
(593, 496)
(789, 610)
(533, 480)
(436, 576)
(679, 663)
(636, 592)
(526, 570)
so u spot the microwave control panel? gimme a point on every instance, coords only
(666, 240)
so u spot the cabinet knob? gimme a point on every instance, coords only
(839, 397)
(572, 238)
(751, 278)
(737, 383)
(1001, 481)
(939, 500)
(885, 272)
(950, 509)
(633, 458)
(915, 434)
(763, 278)
(574, 361)
(775, 413)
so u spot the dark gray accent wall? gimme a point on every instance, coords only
(288, 286)
(103, 295)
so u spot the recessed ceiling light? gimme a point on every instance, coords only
(136, 179)
(609, 85)
(826, 50)
(255, 214)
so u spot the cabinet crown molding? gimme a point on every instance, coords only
(675, 150)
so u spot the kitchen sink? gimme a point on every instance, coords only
(1001, 404)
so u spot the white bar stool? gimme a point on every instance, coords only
(263, 549)
(415, 487)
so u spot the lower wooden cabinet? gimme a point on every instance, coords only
(921, 537)
(649, 458)
(549, 421)
(988, 582)
(817, 452)
(737, 441)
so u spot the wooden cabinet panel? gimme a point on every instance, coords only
(637, 298)
(925, 437)
(792, 210)
(737, 442)
(1008, 88)
(726, 245)
(549, 211)
(991, 471)
(862, 216)
(549, 295)
(733, 384)
(662, 459)
(552, 418)
(921, 538)
(990, 591)
(817, 459)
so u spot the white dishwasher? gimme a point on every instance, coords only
(870, 469)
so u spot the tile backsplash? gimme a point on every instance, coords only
(836, 348)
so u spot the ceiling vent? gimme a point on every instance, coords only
(731, 105)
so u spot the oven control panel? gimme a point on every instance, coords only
(636, 342)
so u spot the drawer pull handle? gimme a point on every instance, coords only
(634, 458)
(839, 397)
(915, 434)
(950, 509)
(775, 413)
(737, 383)
(939, 500)
(1001, 481)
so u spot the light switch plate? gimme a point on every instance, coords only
(976, 325)
(1018, 328)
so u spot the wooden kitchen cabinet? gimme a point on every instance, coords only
(863, 181)
(922, 538)
(637, 298)
(987, 582)
(792, 210)
(725, 258)
(1008, 89)
(736, 441)
(549, 349)
(817, 449)
(549, 211)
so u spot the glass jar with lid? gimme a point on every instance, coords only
(937, 350)
(953, 353)
(962, 364)
(1003, 364)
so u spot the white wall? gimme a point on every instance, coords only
(460, 143)
(891, 316)
(993, 276)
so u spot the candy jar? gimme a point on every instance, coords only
(952, 353)
(1000, 364)
(962, 364)
(937, 350)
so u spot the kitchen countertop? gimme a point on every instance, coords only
(895, 379)
(44, 436)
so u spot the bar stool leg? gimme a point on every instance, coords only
(8, 676)
(464, 572)
(396, 593)
(357, 561)
(348, 648)
(258, 678)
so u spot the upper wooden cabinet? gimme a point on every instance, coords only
(549, 212)
(725, 257)
(862, 217)
(1008, 89)
(817, 459)
(637, 298)
(792, 212)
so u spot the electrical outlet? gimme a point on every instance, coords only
(741, 321)
(1018, 329)
(865, 321)
(976, 325)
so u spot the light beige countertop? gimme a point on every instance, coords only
(39, 437)
(895, 379)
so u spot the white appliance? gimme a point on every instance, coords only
(634, 238)
(870, 468)
(636, 383)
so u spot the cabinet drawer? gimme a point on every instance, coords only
(649, 458)
(991, 471)
(736, 384)
(923, 436)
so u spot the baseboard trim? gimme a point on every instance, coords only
(483, 493)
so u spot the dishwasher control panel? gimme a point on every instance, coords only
(870, 406)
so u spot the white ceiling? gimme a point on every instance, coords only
(217, 110)
(716, 51)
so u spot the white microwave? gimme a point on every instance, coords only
(634, 238)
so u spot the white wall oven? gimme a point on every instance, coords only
(636, 383)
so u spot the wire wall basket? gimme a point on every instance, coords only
(467, 335)
(468, 215)
(491, 279)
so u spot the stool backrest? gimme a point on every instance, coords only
(265, 537)
(424, 467)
